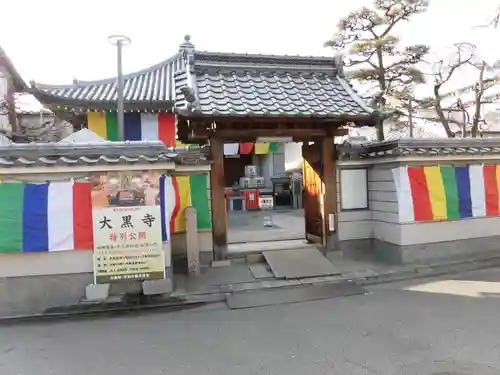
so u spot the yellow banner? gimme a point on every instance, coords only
(436, 192)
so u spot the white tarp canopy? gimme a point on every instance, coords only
(83, 136)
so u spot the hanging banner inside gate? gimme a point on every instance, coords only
(127, 244)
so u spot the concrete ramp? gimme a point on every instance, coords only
(298, 263)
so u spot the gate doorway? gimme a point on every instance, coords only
(305, 222)
(250, 178)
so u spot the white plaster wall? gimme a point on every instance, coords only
(293, 156)
(53, 263)
(76, 261)
(384, 210)
(352, 224)
(423, 233)
(79, 261)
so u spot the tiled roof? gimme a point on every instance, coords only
(96, 153)
(223, 84)
(151, 88)
(264, 85)
(423, 147)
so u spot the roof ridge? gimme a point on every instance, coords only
(80, 83)
(264, 56)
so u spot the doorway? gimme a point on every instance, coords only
(265, 176)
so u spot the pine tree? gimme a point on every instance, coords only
(369, 36)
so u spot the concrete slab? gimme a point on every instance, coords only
(260, 270)
(96, 292)
(210, 279)
(262, 284)
(245, 249)
(257, 298)
(221, 263)
(299, 263)
(155, 287)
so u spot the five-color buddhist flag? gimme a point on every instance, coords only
(246, 148)
(58, 216)
(137, 127)
(190, 191)
(261, 148)
(45, 217)
(446, 192)
(231, 149)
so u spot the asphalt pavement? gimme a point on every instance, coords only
(448, 325)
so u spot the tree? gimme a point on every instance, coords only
(486, 78)
(374, 51)
(23, 130)
(443, 71)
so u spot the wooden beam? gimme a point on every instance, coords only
(250, 135)
(219, 212)
(329, 177)
(341, 132)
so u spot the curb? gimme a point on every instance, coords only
(432, 271)
(201, 299)
(121, 310)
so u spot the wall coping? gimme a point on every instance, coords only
(400, 150)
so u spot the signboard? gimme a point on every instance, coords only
(127, 244)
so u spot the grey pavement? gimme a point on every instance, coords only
(248, 226)
(391, 331)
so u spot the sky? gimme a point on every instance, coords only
(55, 41)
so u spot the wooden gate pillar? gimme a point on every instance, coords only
(329, 177)
(219, 213)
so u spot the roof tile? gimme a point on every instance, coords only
(273, 94)
(150, 85)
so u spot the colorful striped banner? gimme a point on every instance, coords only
(137, 127)
(447, 192)
(190, 191)
(45, 217)
(58, 216)
(259, 148)
(159, 127)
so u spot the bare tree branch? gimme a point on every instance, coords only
(443, 72)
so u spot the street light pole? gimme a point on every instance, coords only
(120, 41)
(410, 114)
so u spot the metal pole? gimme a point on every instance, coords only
(410, 115)
(119, 41)
(120, 115)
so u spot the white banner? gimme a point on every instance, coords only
(127, 244)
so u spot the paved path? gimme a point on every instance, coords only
(392, 331)
(248, 226)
